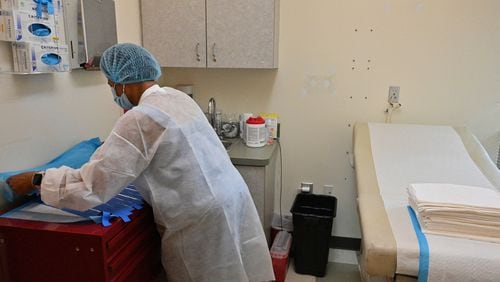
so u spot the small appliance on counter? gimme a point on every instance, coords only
(230, 129)
(230, 125)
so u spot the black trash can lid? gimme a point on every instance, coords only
(315, 205)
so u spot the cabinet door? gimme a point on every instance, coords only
(241, 33)
(174, 31)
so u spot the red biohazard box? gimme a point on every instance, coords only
(41, 251)
(279, 254)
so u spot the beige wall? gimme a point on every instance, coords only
(128, 21)
(443, 55)
(42, 115)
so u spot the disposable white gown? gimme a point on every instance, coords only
(209, 225)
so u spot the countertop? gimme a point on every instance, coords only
(241, 154)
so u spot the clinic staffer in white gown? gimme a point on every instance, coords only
(165, 146)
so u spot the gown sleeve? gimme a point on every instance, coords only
(125, 154)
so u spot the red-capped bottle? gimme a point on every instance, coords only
(256, 132)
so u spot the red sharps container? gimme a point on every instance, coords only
(279, 254)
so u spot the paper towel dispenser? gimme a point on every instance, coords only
(91, 29)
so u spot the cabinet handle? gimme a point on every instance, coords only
(198, 52)
(214, 57)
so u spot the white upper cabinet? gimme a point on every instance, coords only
(174, 31)
(212, 33)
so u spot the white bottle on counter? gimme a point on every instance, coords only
(256, 132)
(243, 123)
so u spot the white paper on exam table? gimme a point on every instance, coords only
(40, 212)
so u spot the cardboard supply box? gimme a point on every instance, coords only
(7, 29)
(271, 124)
(33, 57)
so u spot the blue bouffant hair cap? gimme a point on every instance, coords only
(127, 63)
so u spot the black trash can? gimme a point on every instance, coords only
(312, 226)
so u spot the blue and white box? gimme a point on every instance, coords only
(27, 27)
(52, 7)
(40, 7)
(33, 57)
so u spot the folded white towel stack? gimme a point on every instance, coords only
(457, 210)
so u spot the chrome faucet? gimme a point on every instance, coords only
(212, 112)
(214, 118)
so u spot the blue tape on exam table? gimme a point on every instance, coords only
(114, 208)
(120, 206)
(423, 264)
(75, 157)
(102, 214)
(131, 192)
(135, 203)
(106, 216)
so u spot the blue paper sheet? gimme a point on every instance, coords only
(121, 206)
(75, 157)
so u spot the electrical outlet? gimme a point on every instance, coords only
(306, 187)
(328, 189)
(393, 94)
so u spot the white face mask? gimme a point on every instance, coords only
(122, 100)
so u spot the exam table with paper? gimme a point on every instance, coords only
(388, 159)
(116, 241)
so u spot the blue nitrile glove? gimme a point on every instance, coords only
(51, 59)
(39, 7)
(39, 29)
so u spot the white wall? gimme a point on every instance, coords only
(443, 54)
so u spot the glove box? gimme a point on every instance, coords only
(40, 251)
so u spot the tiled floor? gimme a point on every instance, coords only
(340, 272)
